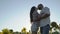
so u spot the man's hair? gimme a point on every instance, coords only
(40, 6)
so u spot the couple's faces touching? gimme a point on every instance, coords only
(39, 7)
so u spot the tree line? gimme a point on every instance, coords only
(53, 26)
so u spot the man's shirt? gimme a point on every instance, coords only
(44, 21)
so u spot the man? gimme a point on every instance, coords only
(44, 19)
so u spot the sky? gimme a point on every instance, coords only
(14, 14)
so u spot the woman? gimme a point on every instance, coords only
(33, 17)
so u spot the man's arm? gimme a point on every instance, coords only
(45, 14)
(43, 17)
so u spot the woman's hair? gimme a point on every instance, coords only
(31, 11)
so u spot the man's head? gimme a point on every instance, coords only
(40, 6)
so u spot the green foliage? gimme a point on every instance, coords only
(5, 31)
(54, 24)
(11, 30)
(55, 32)
(23, 31)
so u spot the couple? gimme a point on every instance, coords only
(41, 20)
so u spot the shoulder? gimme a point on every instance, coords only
(46, 8)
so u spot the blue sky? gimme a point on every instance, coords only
(14, 14)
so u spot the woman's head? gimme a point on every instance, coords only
(33, 9)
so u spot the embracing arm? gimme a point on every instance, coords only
(43, 17)
(45, 14)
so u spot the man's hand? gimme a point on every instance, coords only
(39, 18)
